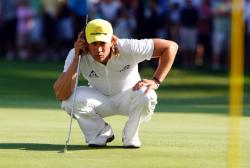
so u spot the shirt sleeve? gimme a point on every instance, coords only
(138, 50)
(69, 59)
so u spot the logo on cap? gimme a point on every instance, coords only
(98, 31)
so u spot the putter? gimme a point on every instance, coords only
(74, 94)
(72, 109)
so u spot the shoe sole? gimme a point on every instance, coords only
(96, 146)
(131, 147)
(110, 139)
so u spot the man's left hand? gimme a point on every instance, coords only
(149, 84)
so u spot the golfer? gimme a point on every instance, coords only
(110, 65)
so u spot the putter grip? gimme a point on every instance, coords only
(83, 29)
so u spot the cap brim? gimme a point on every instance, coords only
(99, 38)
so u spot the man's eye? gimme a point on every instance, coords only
(99, 43)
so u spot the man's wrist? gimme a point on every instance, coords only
(157, 82)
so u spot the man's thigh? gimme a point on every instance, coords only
(89, 99)
(124, 100)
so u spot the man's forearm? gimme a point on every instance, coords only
(166, 60)
(64, 85)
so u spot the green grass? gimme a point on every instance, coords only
(35, 138)
(190, 128)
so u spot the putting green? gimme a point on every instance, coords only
(192, 130)
(35, 138)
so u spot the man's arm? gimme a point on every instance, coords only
(165, 50)
(65, 84)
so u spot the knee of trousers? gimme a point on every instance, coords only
(143, 99)
(147, 102)
(83, 105)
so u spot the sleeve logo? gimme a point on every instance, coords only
(125, 68)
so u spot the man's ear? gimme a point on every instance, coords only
(114, 40)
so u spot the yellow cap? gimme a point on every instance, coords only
(98, 30)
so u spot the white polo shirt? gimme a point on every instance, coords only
(120, 73)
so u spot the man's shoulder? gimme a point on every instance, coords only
(71, 51)
(121, 42)
(135, 49)
(126, 43)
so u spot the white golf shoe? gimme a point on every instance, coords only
(104, 137)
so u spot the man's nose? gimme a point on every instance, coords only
(99, 48)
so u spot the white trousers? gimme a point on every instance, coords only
(91, 107)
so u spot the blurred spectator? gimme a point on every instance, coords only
(204, 37)
(37, 37)
(196, 3)
(140, 32)
(49, 24)
(108, 10)
(188, 33)
(125, 25)
(46, 47)
(162, 19)
(93, 9)
(64, 30)
(8, 26)
(36, 5)
(247, 21)
(221, 33)
(1, 32)
(174, 21)
(181, 3)
(79, 9)
(50, 6)
(25, 24)
(201, 27)
(147, 19)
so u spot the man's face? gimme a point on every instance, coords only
(100, 51)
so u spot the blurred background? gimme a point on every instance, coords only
(45, 30)
(36, 36)
(191, 125)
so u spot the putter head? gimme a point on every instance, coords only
(65, 148)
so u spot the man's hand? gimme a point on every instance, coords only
(80, 44)
(149, 84)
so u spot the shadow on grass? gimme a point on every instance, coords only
(210, 105)
(51, 147)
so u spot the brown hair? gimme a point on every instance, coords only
(114, 48)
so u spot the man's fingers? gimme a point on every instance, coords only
(148, 88)
(137, 86)
(140, 84)
(80, 35)
(149, 84)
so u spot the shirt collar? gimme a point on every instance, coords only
(92, 61)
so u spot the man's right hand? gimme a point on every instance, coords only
(79, 45)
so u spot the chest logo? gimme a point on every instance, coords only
(93, 74)
(125, 68)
